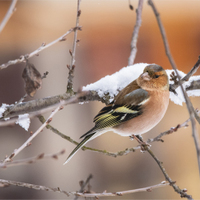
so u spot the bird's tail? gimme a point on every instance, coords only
(81, 144)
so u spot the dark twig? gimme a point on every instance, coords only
(72, 53)
(11, 10)
(135, 33)
(188, 102)
(195, 85)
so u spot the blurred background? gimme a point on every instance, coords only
(104, 48)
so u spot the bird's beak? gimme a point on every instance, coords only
(145, 76)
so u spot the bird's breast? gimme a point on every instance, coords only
(152, 112)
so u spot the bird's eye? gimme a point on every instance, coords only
(156, 76)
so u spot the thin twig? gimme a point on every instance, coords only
(171, 130)
(41, 48)
(119, 153)
(27, 143)
(188, 75)
(135, 33)
(33, 186)
(103, 194)
(31, 160)
(112, 154)
(8, 15)
(188, 102)
(83, 185)
(172, 183)
(72, 53)
(121, 193)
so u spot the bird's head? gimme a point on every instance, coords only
(153, 77)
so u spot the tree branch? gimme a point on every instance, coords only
(171, 130)
(32, 186)
(31, 160)
(172, 183)
(135, 33)
(121, 193)
(190, 108)
(83, 184)
(187, 77)
(72, 53)
(27, 143)
(8, 15)
(113, 154)
(44, 103)
(41, 48)
(119, 153)
(95, 195)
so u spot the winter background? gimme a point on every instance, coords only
(103, 50)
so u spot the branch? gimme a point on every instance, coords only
(95, 195)
(8, 15)
(31, 160)
(121, 193)
(61, 103)
(83, 184)
(172, 183)
(171, 130)
(44, 103)
(43, 46)
(27, 143)
(194, 84)
(146, 147)
(135, 33)
(32, 186)
(72, 53)
(112, 154)
(190, 108)
(119, 153)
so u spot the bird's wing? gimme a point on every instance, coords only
(123, 108)
(117, 112)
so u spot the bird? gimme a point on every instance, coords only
(135, 110)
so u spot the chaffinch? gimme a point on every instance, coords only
(135, 110)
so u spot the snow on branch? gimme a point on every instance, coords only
(112, 84)
(103, 90)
